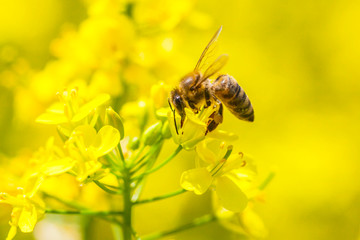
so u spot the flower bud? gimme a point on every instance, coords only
(113, 119)
(165, 131)
(152, 134)
(134, 143)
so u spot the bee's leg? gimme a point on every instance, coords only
(215, 118)
(207, 98)
(182, 121)
(193, 107)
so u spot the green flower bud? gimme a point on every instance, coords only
(113, 119)
(134, 143)
(165, 131)
(152, 134)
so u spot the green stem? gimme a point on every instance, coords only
(127, 230)
(138, 165)
(139, 185)
(195, 223)
(111, 186)
(103, 187)
(112, 161)
(161, 164)
(168, 195)
(83, 212)
(138, 154)
(65, 202)
(82, 208)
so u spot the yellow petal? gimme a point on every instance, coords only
(14, 201)
(86, 134)
(92, 167)
(56, 167)
(241, 161)
(253, 224)
(90, 106)
(106, 140)
(28, 218)
(197, 180)
(230, 194)
(192, 132)
(191, 144)
(52, 118)
(33, 184)
(12, 232)
(208, 154)
(223, 135)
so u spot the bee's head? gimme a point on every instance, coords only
(177, 101)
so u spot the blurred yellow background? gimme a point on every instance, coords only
(298, 61)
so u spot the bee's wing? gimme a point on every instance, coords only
(215, 66)
(208, 50)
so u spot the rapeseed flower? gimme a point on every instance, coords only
(26, 211)
(229, 175)
(48, 161)
(86, 146)
(193, 129)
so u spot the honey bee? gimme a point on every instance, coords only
(196, 90)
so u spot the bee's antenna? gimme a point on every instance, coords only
(173, 110)
(170, 105)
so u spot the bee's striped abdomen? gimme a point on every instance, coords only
(234, 97)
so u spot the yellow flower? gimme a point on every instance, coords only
(72, 112)
(228, 175)
(48, 161)
(191, 132)
(71, 108)
(26, 211)
(194, 128)
(85, 146)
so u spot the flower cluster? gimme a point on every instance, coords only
(112, 130)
